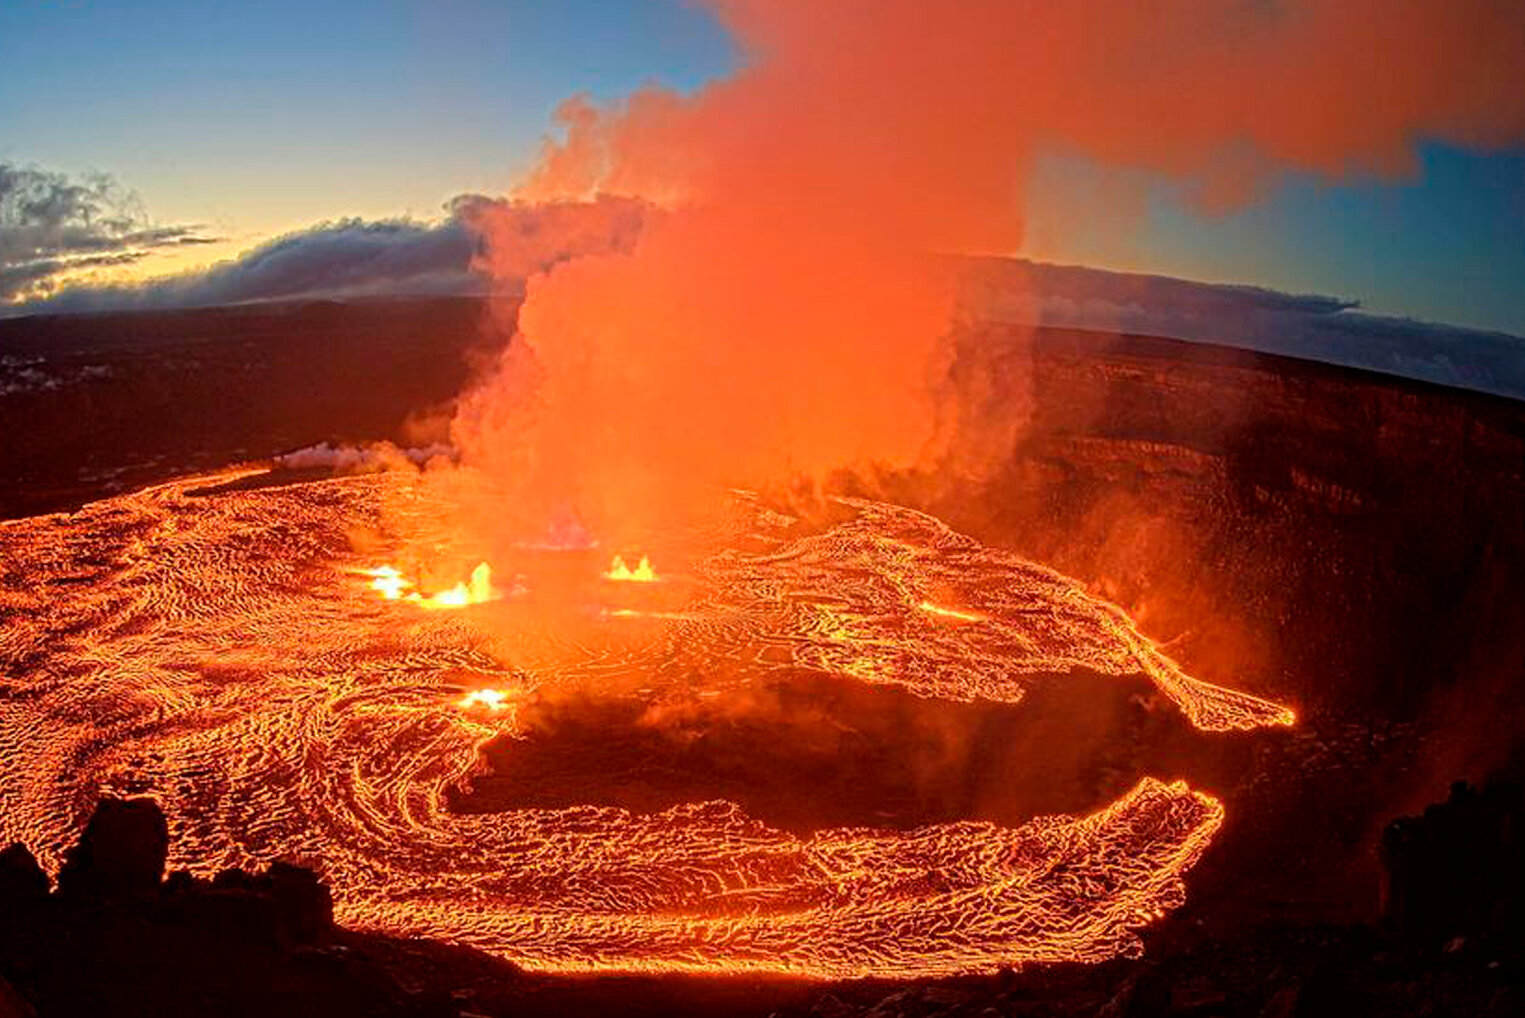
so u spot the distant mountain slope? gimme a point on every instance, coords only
(353, 259)
(1309, 327)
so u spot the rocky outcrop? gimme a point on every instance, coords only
(1457, 872)
(120, 854)
(23, 884)
(117, 938)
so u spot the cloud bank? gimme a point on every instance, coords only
(356, 258)
(53, 225)
(398, 257)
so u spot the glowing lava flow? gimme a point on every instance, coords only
(214, 650)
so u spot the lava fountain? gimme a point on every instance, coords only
(389, 582)
(228, 651)
(620, 572)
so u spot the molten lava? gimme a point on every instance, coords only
(476, 590)
(390, 583)
(213, 650)
(949, 613)
(642, 573)
(487, 699)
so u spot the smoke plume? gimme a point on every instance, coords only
(781, 318)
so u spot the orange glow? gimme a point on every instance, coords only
(636, 613)
(388, 582)
(487, 699)
(642, 573)
(393, 586)
(949, 613)
(476, 590)
(247, 663)
(781, 318)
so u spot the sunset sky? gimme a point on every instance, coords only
(252, 120)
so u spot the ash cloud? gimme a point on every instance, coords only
(396, 257)
(53, 224)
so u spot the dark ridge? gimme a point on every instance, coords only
(98, 404)
(101, 403)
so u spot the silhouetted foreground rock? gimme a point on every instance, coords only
(121, 853)
(1458, 871)
(117, 939)
(23, 884)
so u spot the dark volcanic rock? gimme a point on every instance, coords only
(133, 398)
(115, 940)
(1349, 546)
(1146, 994)
(12, 1005)
(121, 852)
(23, 884)
(301, 908)
(1458, 870)
(304, 904)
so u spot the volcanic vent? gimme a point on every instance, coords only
(225, 649)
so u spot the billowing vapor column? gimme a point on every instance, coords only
(780, 316)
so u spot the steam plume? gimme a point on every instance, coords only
(780, 318)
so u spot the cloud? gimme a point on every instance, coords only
(531, 238)
(357, 258)
(393, 257)
(53, 225)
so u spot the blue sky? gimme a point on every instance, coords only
(259, 118)
(276, 113)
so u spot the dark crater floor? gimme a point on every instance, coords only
(810, 752)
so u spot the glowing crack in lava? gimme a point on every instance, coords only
(218, 650)
(949, 613)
